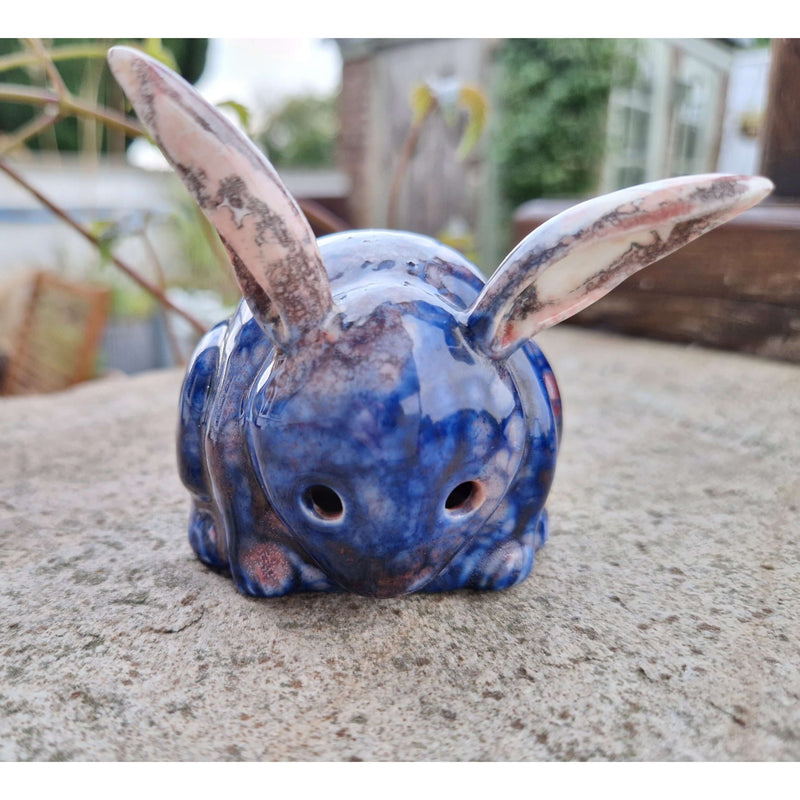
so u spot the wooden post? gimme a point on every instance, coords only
(780, 159)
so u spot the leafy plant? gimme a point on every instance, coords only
(84, 78)
(49, 91)
(60, 104)
(553, 98)
(302, 133)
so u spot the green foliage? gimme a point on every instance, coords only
(104, 231)
(302, 133)
(553, 97)
(241, 111)
(131, 302)
(188, 54)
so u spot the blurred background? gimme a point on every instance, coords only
(106, 265)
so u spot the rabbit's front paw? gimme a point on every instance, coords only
(494, 565)
(203, 538)
(272, 569)
(506, 565)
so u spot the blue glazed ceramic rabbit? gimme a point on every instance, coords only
(374, 418)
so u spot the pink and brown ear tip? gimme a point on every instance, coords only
(727, 195)
(119, 54)
(128, 66)
(121, 61)
(759, 187)
(124, 58)
(581, 254)
(748, 190)
(132, 68)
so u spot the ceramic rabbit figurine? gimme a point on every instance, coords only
(375, 418)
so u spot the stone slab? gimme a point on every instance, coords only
(662, 620)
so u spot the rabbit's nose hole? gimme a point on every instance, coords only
(465, 497)
(323, 502)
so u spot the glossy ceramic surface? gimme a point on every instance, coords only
(374, 418)
(392, 410)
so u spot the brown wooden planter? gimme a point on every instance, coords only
(736, 288)
(56, 342)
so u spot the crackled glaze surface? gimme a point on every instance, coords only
(270, 242)
(580, 255)
(373, 418)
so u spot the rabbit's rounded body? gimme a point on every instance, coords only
(440, 459)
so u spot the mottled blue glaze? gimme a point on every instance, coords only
(373, 418)
(392, 408)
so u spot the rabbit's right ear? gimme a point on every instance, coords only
(575, 258)
(272, 247)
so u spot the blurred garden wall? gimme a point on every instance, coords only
(439, 191)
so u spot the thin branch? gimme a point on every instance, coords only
(43, 57)
(33, 128)
(60, 53)
(87, 234)
(15, 93)
(105, 115)
(409, 146)
(177, 356)
(90, 129)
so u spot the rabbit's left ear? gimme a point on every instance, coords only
(272, 247)
(580, 255)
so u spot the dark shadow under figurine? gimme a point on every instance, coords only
(374, 418)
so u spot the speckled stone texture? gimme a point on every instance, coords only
(662, 620)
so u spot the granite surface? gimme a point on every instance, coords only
(662, 620)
